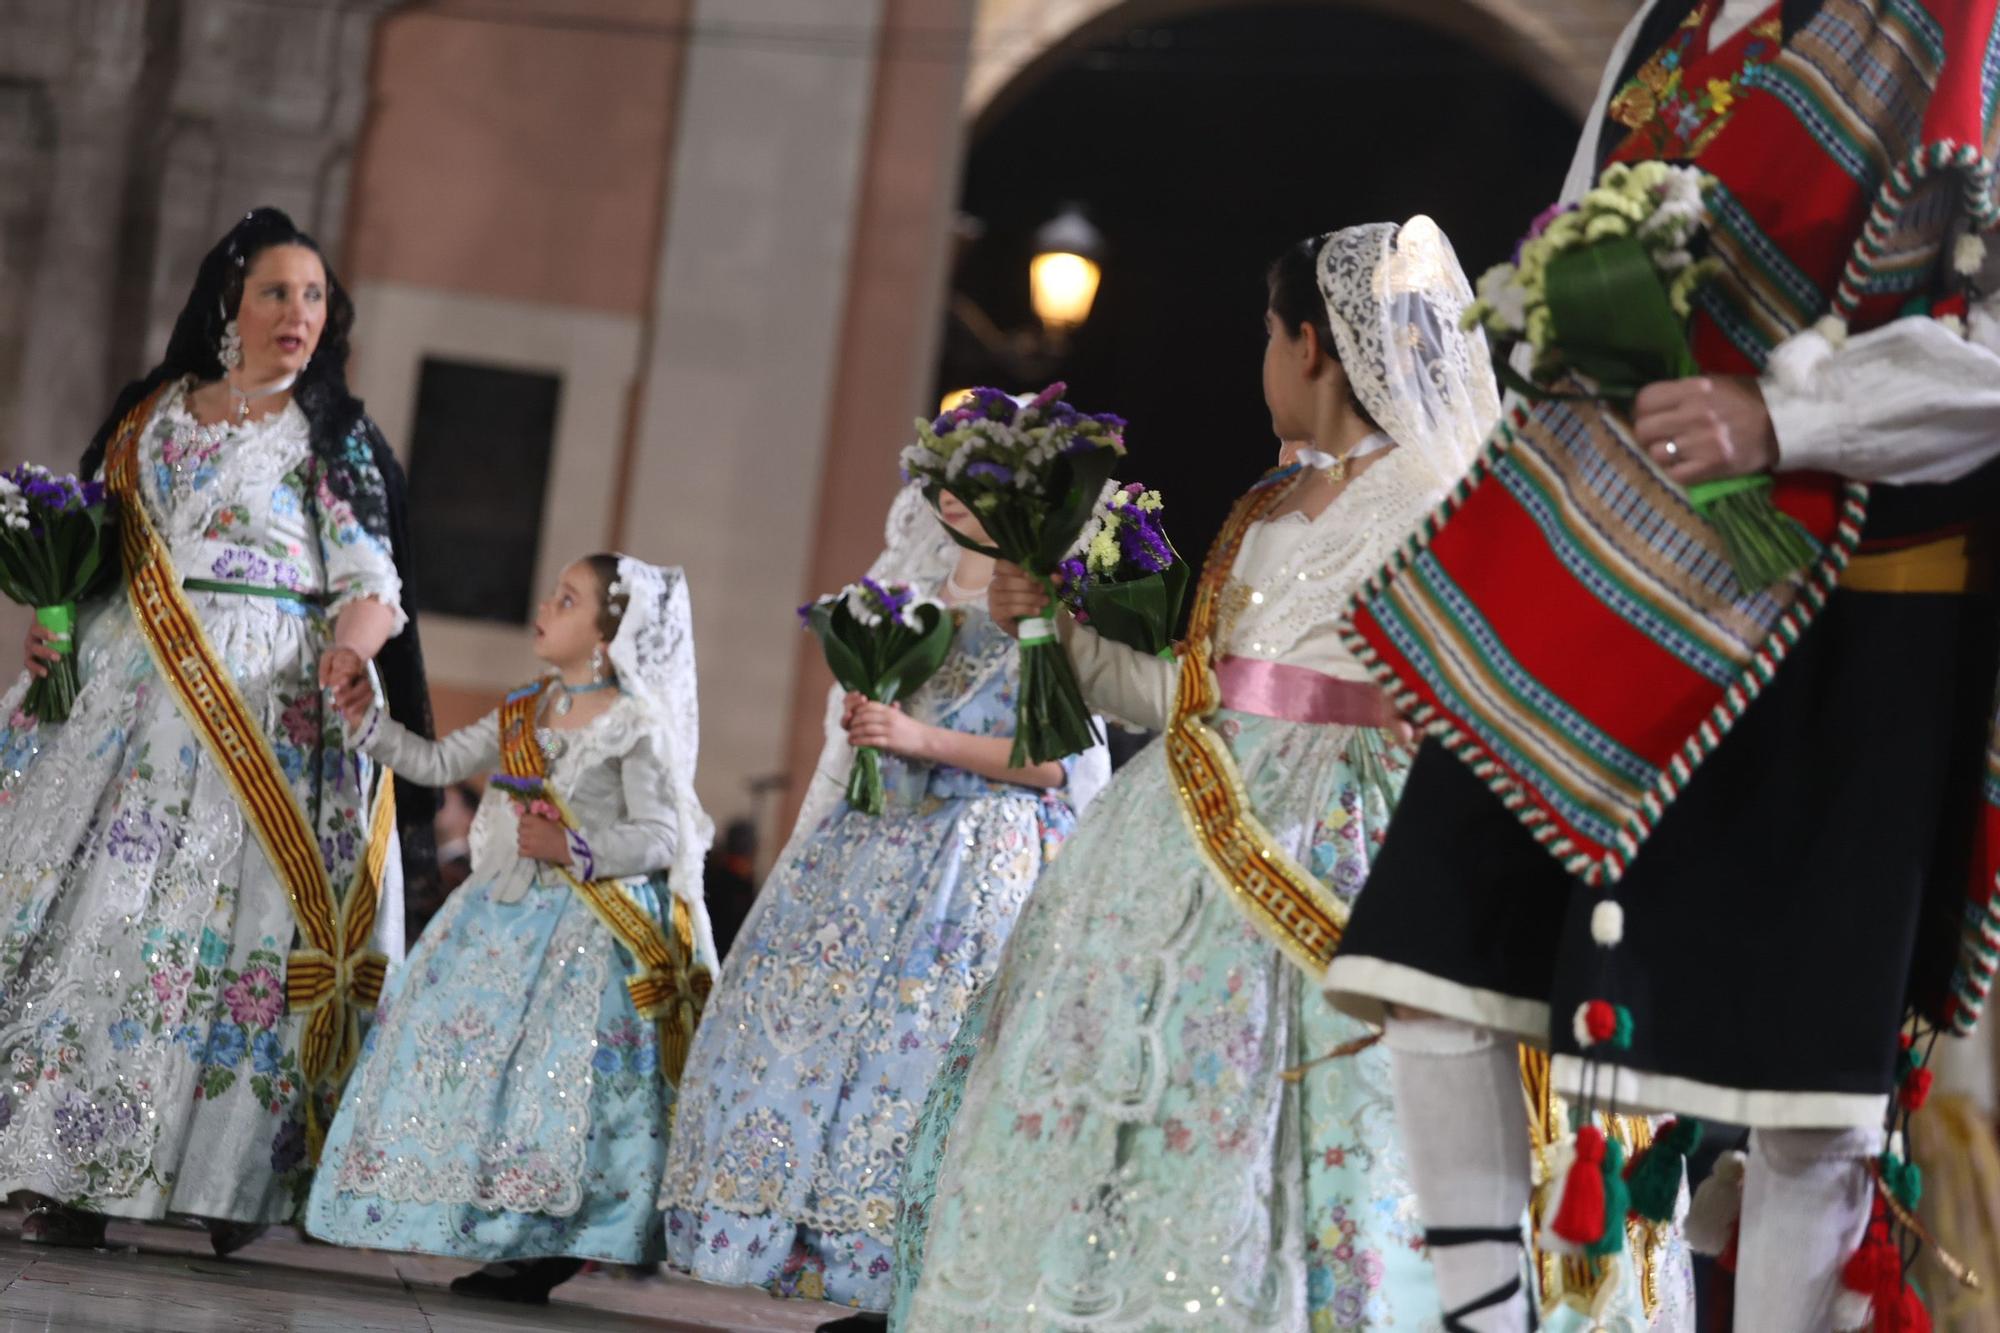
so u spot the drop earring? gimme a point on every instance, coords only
(230, 350)
(597, 665)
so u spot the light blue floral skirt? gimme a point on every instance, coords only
(510, 1104)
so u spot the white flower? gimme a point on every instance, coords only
(1968, 256)
(1834, 329)
(1501, 289)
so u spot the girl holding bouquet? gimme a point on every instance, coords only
(1148, 1136)
(190, 839)
(850, 977)
(513, 1099)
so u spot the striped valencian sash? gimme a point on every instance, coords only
(1566, 623)
(670, 987)
(1283, 899)
(334, 975)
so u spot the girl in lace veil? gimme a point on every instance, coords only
(850, 976)
(510, 1108)
(1147, 1133)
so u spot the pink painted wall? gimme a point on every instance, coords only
(519, 149)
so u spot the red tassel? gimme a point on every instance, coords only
(1902, 1312)
(1874, 1267)
(1916, 1090)
(1580, 1216)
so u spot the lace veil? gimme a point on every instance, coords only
(653, 654)
(1394, 295)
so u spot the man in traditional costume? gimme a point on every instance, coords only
(1712, 845)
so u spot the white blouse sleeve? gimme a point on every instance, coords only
(647, 833)
(359, 565)
(466, 753)
(1121, 681)
(1912, 401)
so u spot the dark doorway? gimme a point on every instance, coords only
(1200, 149)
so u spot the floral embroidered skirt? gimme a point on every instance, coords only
(151, 1065)
(1126, 1156)
(510, 1104)
(838, 1002)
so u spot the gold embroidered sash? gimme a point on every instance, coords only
(1282, 898)
(334, 975)
(670, 986)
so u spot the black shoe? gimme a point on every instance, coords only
(523, 1281)
(865, 1322)
(1446, 1237)
(226, 1237)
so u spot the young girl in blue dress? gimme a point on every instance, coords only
(513, 1104)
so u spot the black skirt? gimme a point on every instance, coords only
(1804, 891)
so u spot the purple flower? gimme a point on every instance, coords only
(1141, 542)
(996, 472)
(1540, 225)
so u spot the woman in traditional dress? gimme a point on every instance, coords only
(513, 1102)
(1128, 1150)
(866, 945)
(152, 847)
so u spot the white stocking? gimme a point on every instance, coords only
(1806, 1201)
(1465, 1131)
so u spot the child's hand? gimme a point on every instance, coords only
(885, 727)
(1013, 596)
(543, 839)
(345, 672)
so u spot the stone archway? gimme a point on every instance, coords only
(1558, 45)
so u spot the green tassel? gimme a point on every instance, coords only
(1617, 1202)
(1764, 543)
(1904, 1179)
(1621, 1037)
(1656, 1174)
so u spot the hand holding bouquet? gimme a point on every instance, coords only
(1033, 473)
(1128, 581)
(57, 549)
(882, 642)
(1603, 289)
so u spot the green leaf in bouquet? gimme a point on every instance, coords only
(1079, 480)
(847, 665)
(1614, 319)
(919, 659)
(1140, 613)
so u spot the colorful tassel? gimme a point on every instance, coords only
(1711, 1221)
(1579, 1215)
(1655, 1175)
(1562, 1160)
(1904, 1179)
(1617, 1203)
(1904, 1312)
(1916, 1090)
(1596, 1021)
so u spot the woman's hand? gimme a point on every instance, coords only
(543, 839)
(1014, 596)
(885, 727)
(344, 671)
(1705, 428)
(41, 650)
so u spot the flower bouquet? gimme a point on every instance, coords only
(1602, 289)
(58, 547)
(1033, 473)
(883, 642)
(1127, 583)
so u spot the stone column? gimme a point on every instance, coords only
(891, 326)
(64, 366)
(744, 342)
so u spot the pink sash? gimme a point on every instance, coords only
(1300, 694)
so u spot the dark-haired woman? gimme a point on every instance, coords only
(199, 891)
